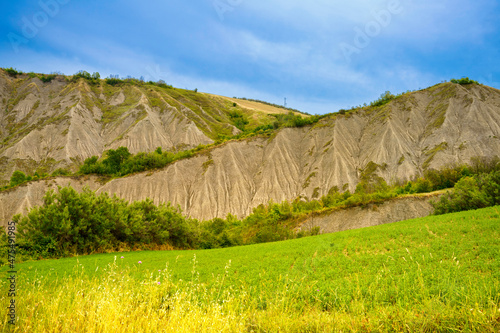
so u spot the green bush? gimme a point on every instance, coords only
(121, 162)
(60, 172)
(421, 185)
(47, 78)
(464, 81)
(82, 223)
(18, 177)
(384, 99)
(470, 193)
(91, 78)
(114, 81)
(238, 119)
(13, 72)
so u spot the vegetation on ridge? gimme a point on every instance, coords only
(464, 81)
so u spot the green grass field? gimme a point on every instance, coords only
(440, 273)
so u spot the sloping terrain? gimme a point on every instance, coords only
(394, 210)
(60, 123)
(447, 123)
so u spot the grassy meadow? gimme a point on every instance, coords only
(435, 274)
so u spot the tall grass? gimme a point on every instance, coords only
(437, 274)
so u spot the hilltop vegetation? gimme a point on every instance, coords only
(435, 274)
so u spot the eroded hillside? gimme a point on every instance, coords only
(447, 123)
(58, 124)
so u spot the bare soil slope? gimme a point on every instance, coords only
(444, 124)
(45, 126)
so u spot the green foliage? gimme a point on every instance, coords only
(60, 172)
(446, 177)
(215, 233)
(384, 99)
(469, 193)
(121, 162)
(47, 78)
(18, 177)
(370, 182)
(161, 84)
(464, 81)
(114, 81)
(294, 120)
(238, 119)
(115, 159)
(91, 78)
(13, 72)
(81, 223)
(90, 165)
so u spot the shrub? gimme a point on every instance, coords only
(471, 193)
(47, 78)
(82, 223)
(113, 81)
(238, 119)
(18, 177)
(91, 78)
(60, 172)
(13, 72)
(115, 159)
(421, 185)
(464, 81)
(384, 99)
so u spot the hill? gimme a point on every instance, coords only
(55, 121)
(60, 123)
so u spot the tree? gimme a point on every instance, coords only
(18, 177)
(116, 158)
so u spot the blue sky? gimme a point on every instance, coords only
(321, 55)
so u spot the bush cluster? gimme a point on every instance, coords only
(478, 191)
(464, 81)
(294, 120)
(18, 177)
(113, 81)
(384, 99)
(238, 119)
(13, 72)
(71, 223)
(120, 162)
(91, 78)
(47, 78)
